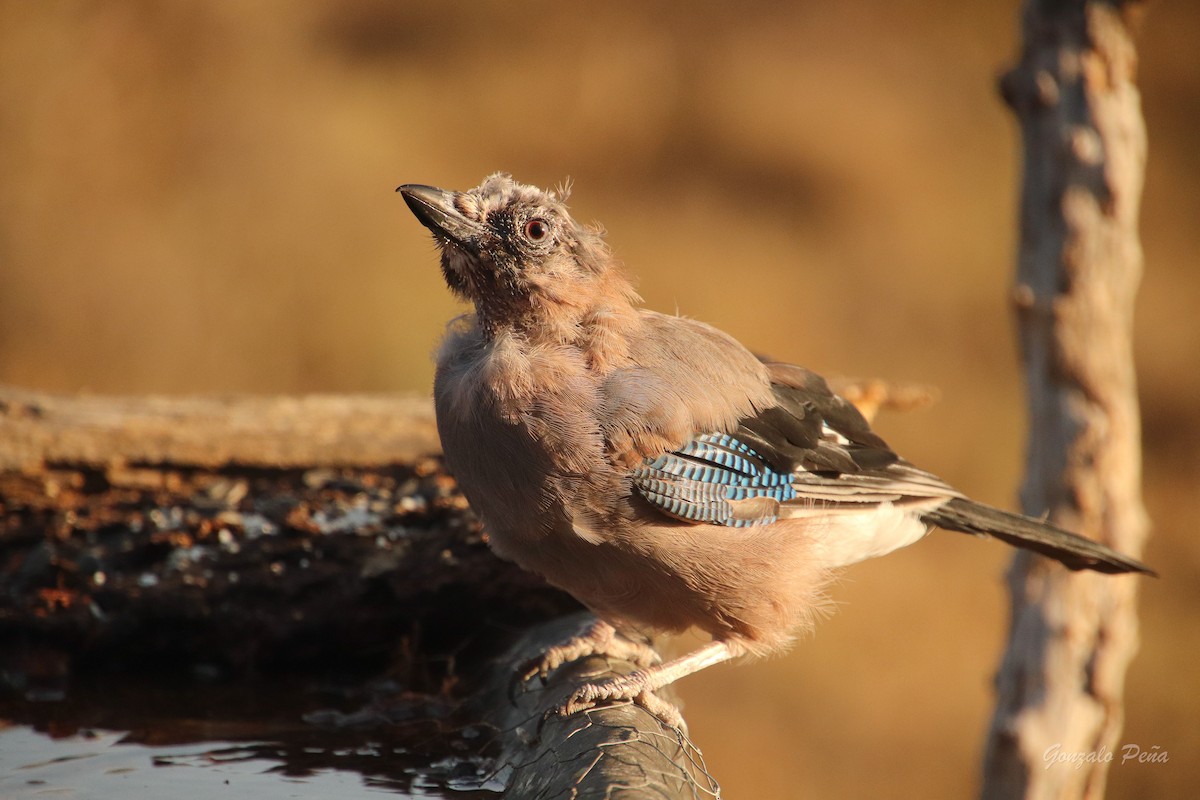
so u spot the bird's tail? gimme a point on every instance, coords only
(1074, 551)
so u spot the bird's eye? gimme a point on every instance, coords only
(537, 229)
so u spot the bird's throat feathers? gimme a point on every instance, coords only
(554, 306)
(573, 347)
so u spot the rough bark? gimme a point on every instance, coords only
(1060, 685)
(619, 751)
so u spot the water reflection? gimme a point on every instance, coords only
(201, 743)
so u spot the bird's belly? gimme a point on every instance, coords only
(757, 587)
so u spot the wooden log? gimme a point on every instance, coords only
(1060, 686)
(617, 751)
(280, 431)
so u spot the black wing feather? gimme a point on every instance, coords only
(796, 433)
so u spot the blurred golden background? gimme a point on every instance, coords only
(198, 197)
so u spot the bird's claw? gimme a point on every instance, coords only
(628, 688)
(554, 657)
(590, 694)
(601, 639)
(598, 639)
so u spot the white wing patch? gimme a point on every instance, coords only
(830, 433)
(852, 536)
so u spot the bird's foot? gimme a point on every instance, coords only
(640, 685)
(637, 687)
(598, 638)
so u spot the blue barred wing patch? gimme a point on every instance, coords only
(717, 479)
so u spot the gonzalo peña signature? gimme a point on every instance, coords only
(1128, 753)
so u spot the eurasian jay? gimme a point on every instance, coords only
(652, 466)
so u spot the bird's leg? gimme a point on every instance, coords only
(598, 638)
(639, 686)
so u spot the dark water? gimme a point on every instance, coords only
(102, 765)
(262, 742)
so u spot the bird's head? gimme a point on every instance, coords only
(514, 251)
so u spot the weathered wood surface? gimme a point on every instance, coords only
(280, 431)
(619, 751)
(1079, 264)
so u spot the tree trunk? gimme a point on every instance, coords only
(1060, 685)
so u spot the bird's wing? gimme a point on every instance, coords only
(812, 453)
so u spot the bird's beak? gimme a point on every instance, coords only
(436, 210)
